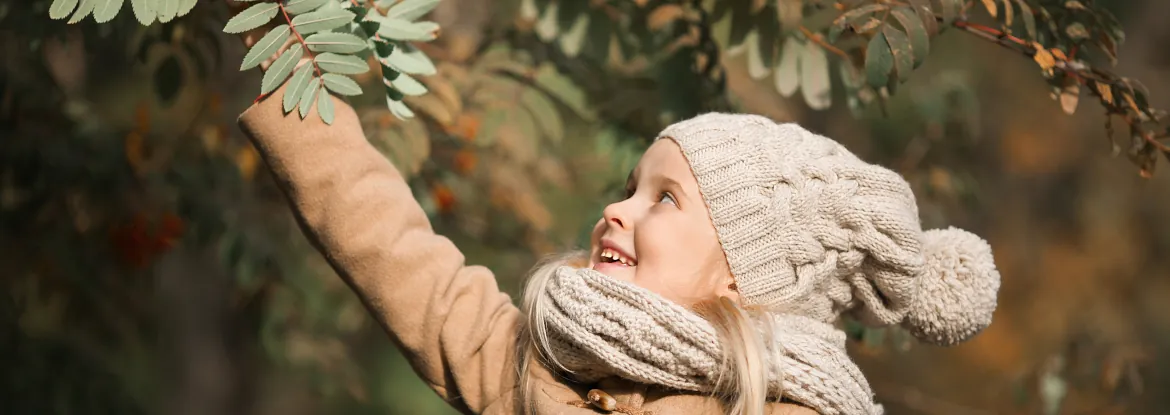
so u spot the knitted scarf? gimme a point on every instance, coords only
(599, 327)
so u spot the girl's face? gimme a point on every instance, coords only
(661, 237)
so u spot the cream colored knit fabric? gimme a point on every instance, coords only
(599, 326)
(808, 226)
(808, 230)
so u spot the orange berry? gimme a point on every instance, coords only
(444, 198)
(465, 161)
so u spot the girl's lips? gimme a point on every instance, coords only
(602, 267)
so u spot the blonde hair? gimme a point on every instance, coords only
(742, 385)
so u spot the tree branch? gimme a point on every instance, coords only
(816, 38)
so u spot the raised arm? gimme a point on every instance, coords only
(452, 322)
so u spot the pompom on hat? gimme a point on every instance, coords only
(810, 229)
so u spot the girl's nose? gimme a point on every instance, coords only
(615, 216)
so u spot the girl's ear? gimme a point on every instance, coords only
(729, 290)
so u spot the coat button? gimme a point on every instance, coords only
(601, 400)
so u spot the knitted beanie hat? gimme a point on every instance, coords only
(810, 229)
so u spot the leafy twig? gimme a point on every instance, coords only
(816, 38)
(301, 39)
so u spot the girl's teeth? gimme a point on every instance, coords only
(613, 255)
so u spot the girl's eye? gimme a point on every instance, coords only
(666, 196)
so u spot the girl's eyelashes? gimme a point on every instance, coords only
(667, 197)
(662, 196)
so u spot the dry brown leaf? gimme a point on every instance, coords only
(1070, 97)
(663, 15)
(1008, 13)
(1106, 92)
(553, 171)
(1045, 59)
(246, 161)
(135, 150)
(443, 88)
(790, 13)
(1058, 54)
(511, 140)
(432, 106)
(992, 8)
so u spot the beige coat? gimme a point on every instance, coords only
(455, 326)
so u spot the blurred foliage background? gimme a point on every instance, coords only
(151, 266)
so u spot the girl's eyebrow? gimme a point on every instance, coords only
(673, 185)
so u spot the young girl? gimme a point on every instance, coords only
(713, 287)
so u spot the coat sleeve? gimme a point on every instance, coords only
(452, 322)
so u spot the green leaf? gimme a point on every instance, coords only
(572, 40)
(143, 11)
(359, 12)
(249, 19)
(302, 6)
(851, 77)
(1029, 19)
(787, 73)
(926, 14)
(389, 73)
(950, 10)
(167, 9)
(185, 6)
(335, 42)
(564, 90)
(398, 108)
(383, 48)
(317, 21)
(544, 111)
(343, 64)
(1077, 31)
(769, 40)
(60, 9)
(408, 85)
(265, 47)
(308, 95)
(398, 29)
(879, 61)
(411, 61)
(82, 11)
(325, 107)
(341, 84)
(106, 10)
(814, 77)
(547, 27)
(370, 27)
(411, 10)
(394, 93)
(757, 68)
(919, 39)
(296, 86)
(281, 68)
(902, 50)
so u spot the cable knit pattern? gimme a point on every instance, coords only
(809, 232)
(599, 326)
(807, 226)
